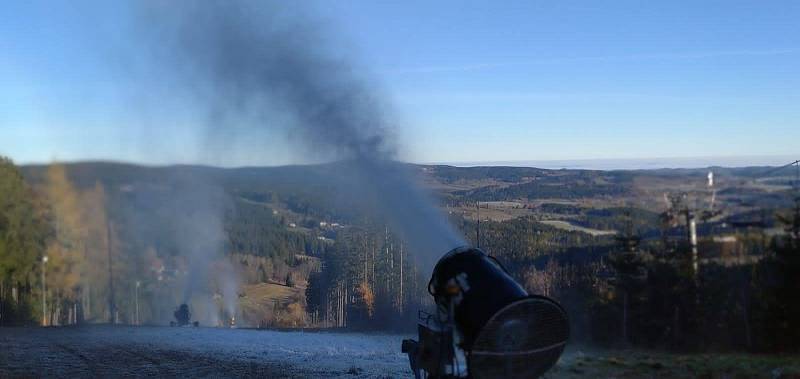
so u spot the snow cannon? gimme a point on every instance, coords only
(486, 325)
(182, 316)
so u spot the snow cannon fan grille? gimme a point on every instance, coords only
(522, 340)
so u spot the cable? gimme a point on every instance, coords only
(780, 168)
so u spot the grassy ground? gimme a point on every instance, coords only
(259, 300)
(639, 364)
(104, 351)
(264, 294)
(567, 226)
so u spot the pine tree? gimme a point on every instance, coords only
(22, 234)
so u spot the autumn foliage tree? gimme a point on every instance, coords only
(65, 248)
(79, 250)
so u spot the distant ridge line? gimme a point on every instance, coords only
(636, 163)
(633, 164)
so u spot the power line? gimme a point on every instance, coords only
(797, 162)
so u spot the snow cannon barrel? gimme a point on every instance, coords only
(504, 331)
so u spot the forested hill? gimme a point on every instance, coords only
(308, 190)
(86, 174)
(308, 254)
(148, 204)
(278, 211)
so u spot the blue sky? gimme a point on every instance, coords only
(467, 81)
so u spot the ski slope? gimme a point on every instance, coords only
(197, 352)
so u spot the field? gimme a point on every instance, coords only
(105, 351)
(257, 302)
(567, 226)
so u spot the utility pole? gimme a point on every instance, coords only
(402, 299)
(792, 222)
(138, 283)
(44, 292)
(691, 230)
(111, 305)
(478, 226)
(679, 206)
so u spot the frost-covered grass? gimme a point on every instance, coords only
(107, 351)
(196, 352)
(582, 363)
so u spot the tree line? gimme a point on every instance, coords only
(740, 297)
(368, 280)
(51, 241)
(652, 296)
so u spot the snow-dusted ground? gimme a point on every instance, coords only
(114, 351)
(106, 351)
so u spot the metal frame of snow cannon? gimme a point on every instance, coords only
(486, 324)
(433, 356)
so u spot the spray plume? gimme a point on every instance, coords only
(256, 66)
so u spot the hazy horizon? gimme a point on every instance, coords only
(601, 164)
